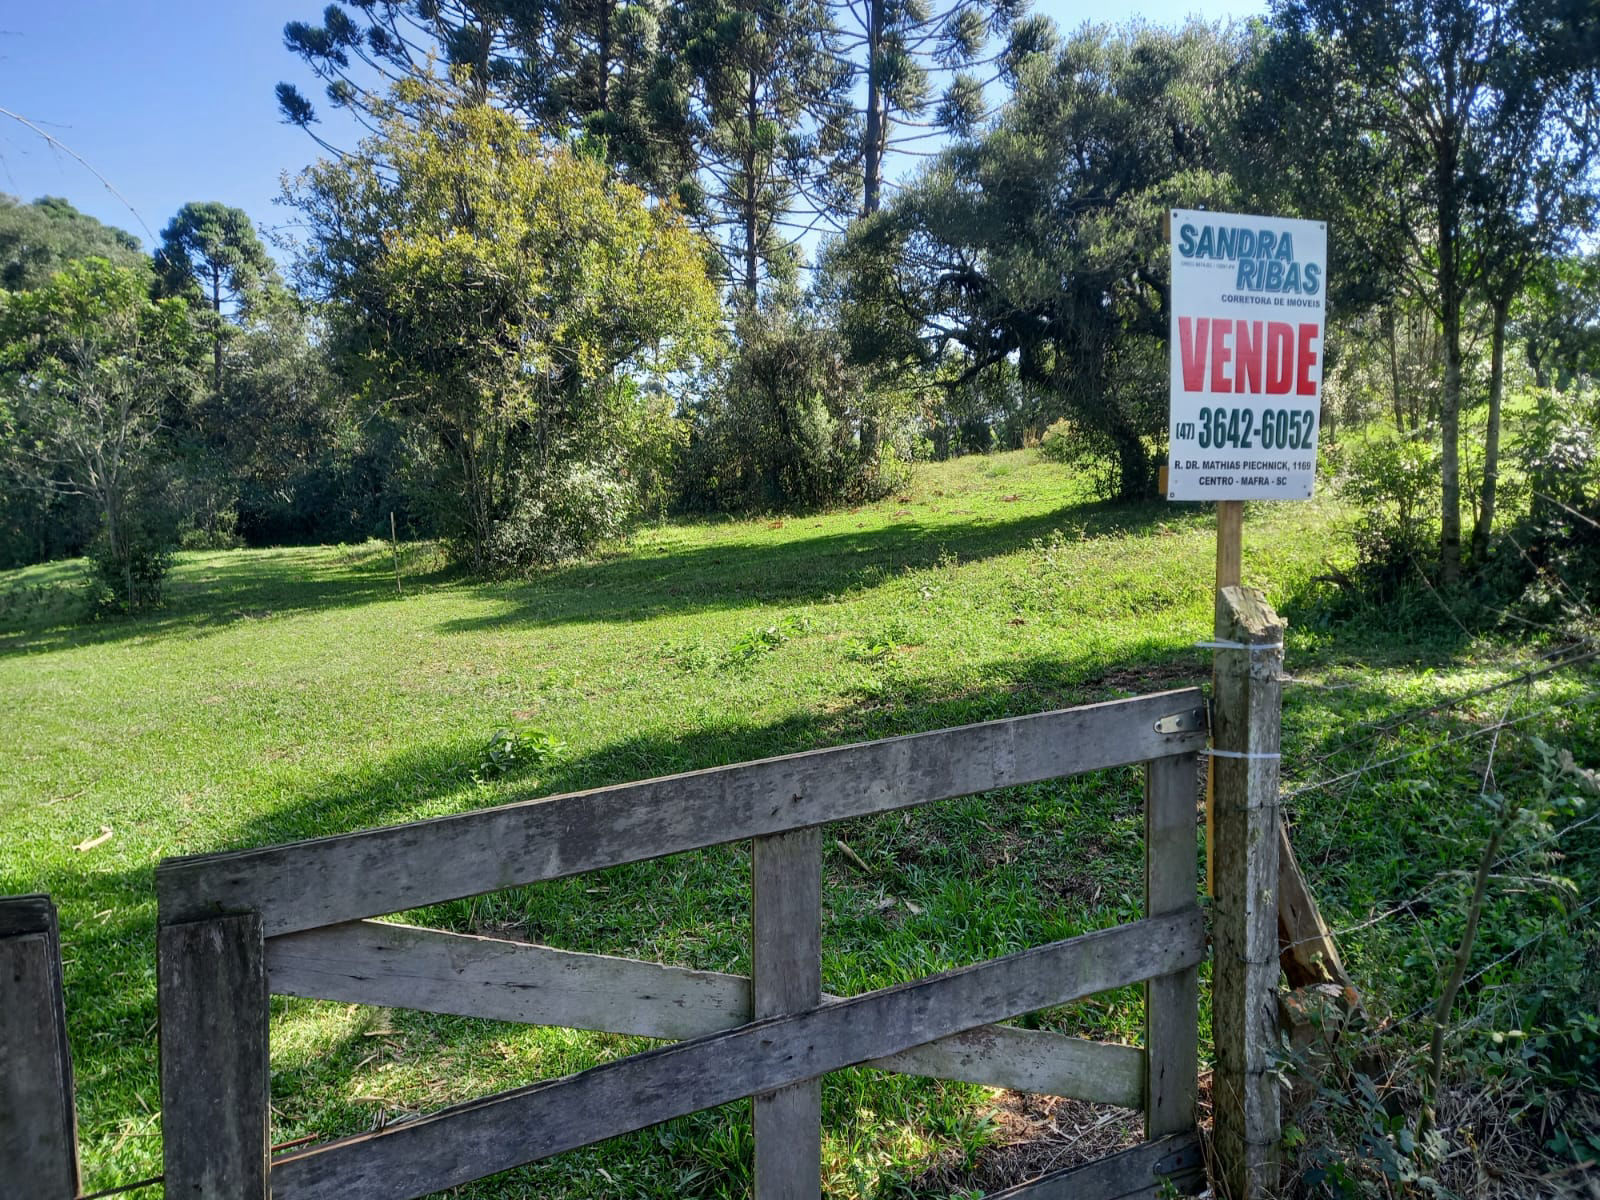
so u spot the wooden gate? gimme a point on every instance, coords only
(292, 919)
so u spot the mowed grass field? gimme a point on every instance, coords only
(291, 693)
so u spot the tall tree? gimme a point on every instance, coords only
(899, 52)
(772, 118)
(38, 239)
(1037, 243)
(211, 251)
(1436, 83)
(592, 69)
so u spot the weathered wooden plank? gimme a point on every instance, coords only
(1030, 1060)
(38, 1119)
(1151, 1169)
(329, 880)
(211, 985)
(401, 966)
(1172, 1002)
(1305, 944)
(33, 913)
(1245, 965)
(480, 1138)
(786, 977)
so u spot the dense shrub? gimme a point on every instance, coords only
(561, 516)
(1552, 555)
(1392, 482)
(781, 425)
(129, 576)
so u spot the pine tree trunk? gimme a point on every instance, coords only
(872, 157)
(1450, 399)
(1484, 525)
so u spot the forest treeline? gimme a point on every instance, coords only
(593, 261)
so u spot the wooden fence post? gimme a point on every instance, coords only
(1171, 1002)
(38, 1121)
(211, 984)
(786, 977)
(1245, 737)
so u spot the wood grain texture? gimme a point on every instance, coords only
(1030, 1060)
(1305, 944)
(1172, 1002)
(786, 977)
(330, 880)
(1244, 918)
(1149, 1169)
(401, 966)
(211, 983)
(486, 1136)
(32, 913)
(38, 1119)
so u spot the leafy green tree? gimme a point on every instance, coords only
(90, 369)
(1038, 243)
(1557, 320)
(596, 70)
(210, 252)
(38, 239)
(509, 302)
(1452, 92)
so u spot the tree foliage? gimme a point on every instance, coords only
(38, 239)
(90, 371)
(508, 302)
(210, 254)
(1038, 243)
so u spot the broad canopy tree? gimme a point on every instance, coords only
(1038, 243)
(91, 370)
(1477, 106)
(509, 302)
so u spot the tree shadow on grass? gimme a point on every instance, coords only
(206, 593)
(640, 585)
(109, 915)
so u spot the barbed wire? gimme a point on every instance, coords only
(1516, 950)
(1437, 883)
(1479, 731)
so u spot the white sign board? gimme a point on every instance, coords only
(1248, 307)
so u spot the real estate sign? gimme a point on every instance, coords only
(1248, 306)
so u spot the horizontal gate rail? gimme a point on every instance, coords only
(478, 1138)
(330, 880)
(465, 975)
(1174, 1164)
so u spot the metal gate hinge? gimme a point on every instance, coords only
(1184, 722)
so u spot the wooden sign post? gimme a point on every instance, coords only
(1230, 555)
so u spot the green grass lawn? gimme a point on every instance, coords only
(289, 693)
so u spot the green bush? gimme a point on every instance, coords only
(1393, 481)
(128, 577)
(781, 426)
(564, 515)
(1058, 444)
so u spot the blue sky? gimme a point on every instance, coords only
(173, 101)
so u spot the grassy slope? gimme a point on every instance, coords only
(290, 693)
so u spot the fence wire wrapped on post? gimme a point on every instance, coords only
(1245, 737)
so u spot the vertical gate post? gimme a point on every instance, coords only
(211, 985)
(38, 1120)
(1171, 1002)
(786, 977)
(1245, 737)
